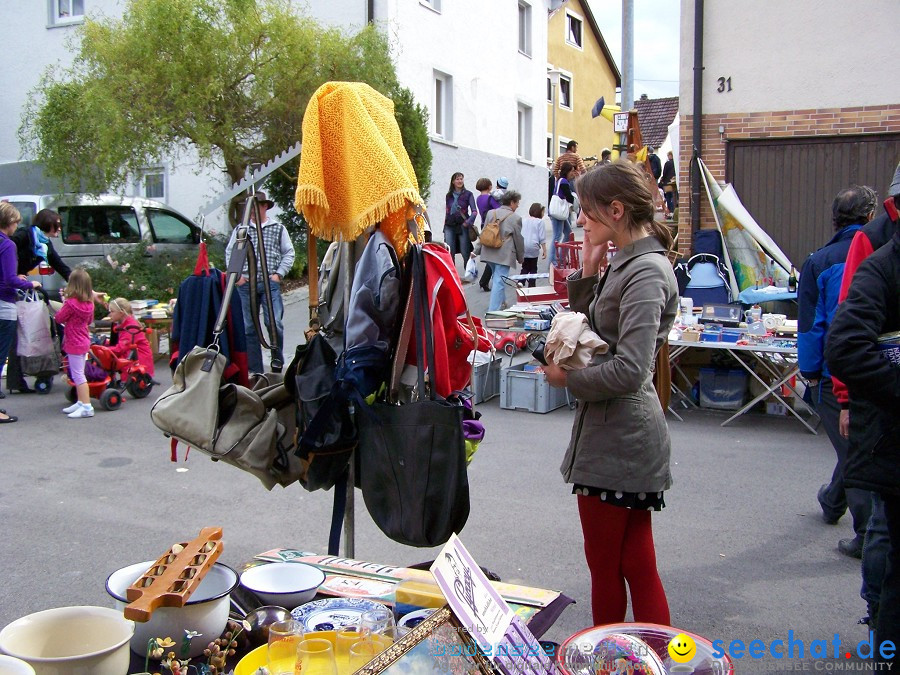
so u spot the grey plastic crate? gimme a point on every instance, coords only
(527, 390)
(485, 383)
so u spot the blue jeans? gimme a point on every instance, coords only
(498, 290)
(561, 231)
(458, 241)
(874, 557)
(7, 331)
(254, 351)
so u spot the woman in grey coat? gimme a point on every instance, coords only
(618, 456)
(502, 259)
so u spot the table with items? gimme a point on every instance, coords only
(777, 360)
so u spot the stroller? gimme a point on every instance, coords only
(109, 376)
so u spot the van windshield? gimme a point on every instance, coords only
(169, 228)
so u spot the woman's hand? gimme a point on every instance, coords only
(592, 257)
(556, 376)
(35, 284)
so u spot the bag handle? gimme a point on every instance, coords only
(312, 269)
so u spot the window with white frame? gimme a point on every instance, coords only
(442, 106)
(524, 27)
(563, 142)
(549, 90)
(66, 11)
(153, 183)
(574, 30)
(565, 91)
(549, 147)
(432, 4)
(523, 126)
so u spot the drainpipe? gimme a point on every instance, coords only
(370, 11)
(697, 115)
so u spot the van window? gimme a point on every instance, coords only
(27, 211)
(169, 228)
(99, 225)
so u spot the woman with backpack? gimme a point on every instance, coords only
(618, 456)
(561, 228)
(510, 251)
(459, 218)
(486, 202)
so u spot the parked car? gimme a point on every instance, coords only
(94, 226)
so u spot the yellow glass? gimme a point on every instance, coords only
(362, 652)
(281, 656)
(316, 657)
(343, 640)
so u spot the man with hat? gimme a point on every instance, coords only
(279, 252)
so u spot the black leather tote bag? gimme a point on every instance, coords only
(412, 456)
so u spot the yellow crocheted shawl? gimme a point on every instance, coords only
(354, 170)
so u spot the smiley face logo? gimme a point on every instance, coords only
(682, 648)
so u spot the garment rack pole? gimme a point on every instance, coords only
(349, 515)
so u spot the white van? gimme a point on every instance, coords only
(94, 226)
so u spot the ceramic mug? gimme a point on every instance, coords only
(752, 315)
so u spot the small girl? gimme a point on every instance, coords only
(128, 334)
(77, 314)
(534, 231)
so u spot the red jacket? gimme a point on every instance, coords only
(130, 334)
(76, 316)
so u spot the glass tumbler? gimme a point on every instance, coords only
(281, 655)
(315, 656)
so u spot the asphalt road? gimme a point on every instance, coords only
(742, 549)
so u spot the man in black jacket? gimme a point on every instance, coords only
(872, 308)
(34, 246)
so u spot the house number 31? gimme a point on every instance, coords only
(724, 84)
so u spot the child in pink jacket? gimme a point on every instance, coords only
(77, 314)
(129, 334)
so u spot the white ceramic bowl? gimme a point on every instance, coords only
(10, 665)
(70, 641)
(285, 584)
(205, 612)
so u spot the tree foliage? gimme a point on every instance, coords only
(229, 79)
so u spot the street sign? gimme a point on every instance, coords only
(620, 123)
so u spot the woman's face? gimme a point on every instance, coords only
(572, 175)
(55, 228)
(458, 182)
(602, 226)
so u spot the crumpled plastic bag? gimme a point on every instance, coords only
(571, 343)
(471, 273)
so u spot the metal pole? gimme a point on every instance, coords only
(349, 515)
(697, 114)
(627, 55)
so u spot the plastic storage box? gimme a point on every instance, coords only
(485, 383)
(722, 389)
(522, 389)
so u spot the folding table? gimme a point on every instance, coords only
(778, 362)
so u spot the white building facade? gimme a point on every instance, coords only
(478, 67)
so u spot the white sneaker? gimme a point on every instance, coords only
(72, 408)
(83, 411)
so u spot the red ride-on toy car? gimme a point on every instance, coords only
(509, 341)
(121, 375)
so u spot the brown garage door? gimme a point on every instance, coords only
(788, 183)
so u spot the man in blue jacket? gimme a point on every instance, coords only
(820, 284)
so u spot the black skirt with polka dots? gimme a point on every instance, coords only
(644, 501)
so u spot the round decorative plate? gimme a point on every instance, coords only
(586, 652)
(332, 613)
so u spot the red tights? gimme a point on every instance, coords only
(618, 545)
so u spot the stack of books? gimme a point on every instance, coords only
(889, 344)
(501, 319)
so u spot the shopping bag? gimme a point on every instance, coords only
(34, 337)
(471, 273)
(559, 207)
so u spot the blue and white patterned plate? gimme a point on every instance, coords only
(332, 613)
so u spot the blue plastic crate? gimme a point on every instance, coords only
(722, 389)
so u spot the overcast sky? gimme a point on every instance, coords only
(656, 35)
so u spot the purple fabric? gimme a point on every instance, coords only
(473, 430)
(486, 203)
(9, 281)
(76, 368)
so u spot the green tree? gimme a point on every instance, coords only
(228, 79)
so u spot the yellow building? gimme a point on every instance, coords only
(576, 48)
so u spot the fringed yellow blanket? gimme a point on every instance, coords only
(354, 170)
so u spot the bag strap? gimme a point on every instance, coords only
(312, 274)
